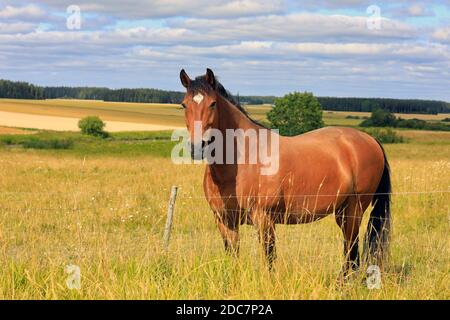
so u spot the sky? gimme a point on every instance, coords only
(396, 49)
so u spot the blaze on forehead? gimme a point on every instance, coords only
(201, 85)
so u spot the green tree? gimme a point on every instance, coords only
(296, 113)
(92, 126)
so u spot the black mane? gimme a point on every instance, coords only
(201, 84)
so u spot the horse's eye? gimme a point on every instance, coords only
(183, 105)
(213, 105)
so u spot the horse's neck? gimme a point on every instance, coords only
(230, 117)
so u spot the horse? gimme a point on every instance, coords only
(331, 170)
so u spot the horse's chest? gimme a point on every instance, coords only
(239, 193)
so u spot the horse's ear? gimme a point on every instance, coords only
(185, 80)
(210, 78)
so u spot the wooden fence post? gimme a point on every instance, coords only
(170, 209)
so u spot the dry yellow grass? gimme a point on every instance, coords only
(159, 114)
(55, 123)
(8, 130)
(107, 214)
(425, 136)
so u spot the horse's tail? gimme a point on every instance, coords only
(379, 227)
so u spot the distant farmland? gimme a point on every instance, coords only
(159, 116)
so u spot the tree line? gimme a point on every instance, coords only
(391, 105)
(20, 90)
(24, 90)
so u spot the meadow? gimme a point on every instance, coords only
(101, 205)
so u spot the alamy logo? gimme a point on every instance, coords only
(73, 280)
(236, 146)
(373, 22)
(373, 279)
(73, 21)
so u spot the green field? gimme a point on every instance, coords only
(101, 205)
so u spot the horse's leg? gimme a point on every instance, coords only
(228, 224)
(349, 220)
(266, 232)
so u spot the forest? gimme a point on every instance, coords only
(24, 90)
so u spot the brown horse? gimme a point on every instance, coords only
(325, 171)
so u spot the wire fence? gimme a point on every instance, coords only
(316, 247)
(79, 210)
(76, 208)
(230, 196)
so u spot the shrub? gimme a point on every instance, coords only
(8, 140)
(446, 120)
(92, 126)
(36, 143)
(385, 135)
(437, 126)
(296, 113)
(411, 123)
(380, 118)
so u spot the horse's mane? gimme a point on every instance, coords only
(201, 84)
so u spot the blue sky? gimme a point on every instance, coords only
(256, 47)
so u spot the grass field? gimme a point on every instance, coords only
(101, 205)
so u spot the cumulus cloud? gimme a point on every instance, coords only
(141, 9)
(25, 12)
(258, 47)
(416, 10)
(299, 27)
(442, 34)
(16, 28)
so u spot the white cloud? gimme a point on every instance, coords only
(241, 8)
(146, 9)
(416, 10)
(442, 34)
(16, 28)
(25, 12)
(298, 27)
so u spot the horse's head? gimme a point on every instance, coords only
(200, 109)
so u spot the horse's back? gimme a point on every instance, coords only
(363, 154)
(351, 149)
(331, 163)
(356, 145)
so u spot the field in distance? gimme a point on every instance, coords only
(170, 115)
(63, 115)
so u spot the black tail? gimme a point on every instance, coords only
(379, 227)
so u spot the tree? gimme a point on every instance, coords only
(296, 113)
(92, 126)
